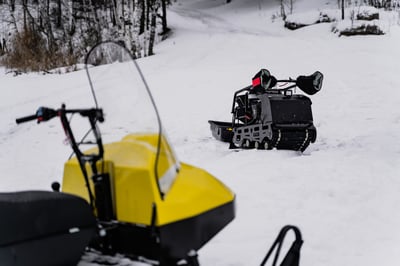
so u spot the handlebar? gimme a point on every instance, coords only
(45, 114)
(25, 119)
(42, 114)
(94, 115)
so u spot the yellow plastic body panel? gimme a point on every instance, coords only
(194, 192)
(130, 163)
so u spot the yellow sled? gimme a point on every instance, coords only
(148, 205)
(158, 225)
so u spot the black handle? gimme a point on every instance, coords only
(292, 258)
(25, 119)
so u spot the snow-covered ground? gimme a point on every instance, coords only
(343, 191)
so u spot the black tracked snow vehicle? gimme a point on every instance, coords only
(268, 114)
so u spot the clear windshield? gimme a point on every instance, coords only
(119, 88)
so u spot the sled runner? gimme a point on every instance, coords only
(267, 116)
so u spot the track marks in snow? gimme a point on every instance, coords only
(214, 24)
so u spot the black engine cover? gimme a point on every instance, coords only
(295, 109)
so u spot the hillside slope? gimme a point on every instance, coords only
(343, 191)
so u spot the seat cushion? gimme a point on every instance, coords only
(31, 215)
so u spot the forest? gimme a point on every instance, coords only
(43, 34)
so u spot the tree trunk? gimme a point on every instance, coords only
(48, 28)
(342, 9)
(71, 19)
(137, 19)
(97, 21)
(283, 14)
(24, 13)
(154, 8)
(4, 45)
(11, 4)
(291, 6)
(164, 16)
(146, 26)
(142, 16)
(131, 19)
(118, 7)
(71, 28)
(59, 14)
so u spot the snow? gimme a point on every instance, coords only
(342, 192)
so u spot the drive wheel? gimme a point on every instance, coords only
(259, 145)
(266, 144)
(247, 144)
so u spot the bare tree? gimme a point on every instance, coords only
(288, 4)
(291, 2)
(342, 9)
(11, 6)
(283, 13)
(154, 8)
(136, 26)
(164, 4)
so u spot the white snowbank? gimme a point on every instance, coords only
(343, 192)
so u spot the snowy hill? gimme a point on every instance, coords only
(343, 191)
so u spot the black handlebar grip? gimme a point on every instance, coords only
(25, 119)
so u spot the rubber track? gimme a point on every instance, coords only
(289, 139)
